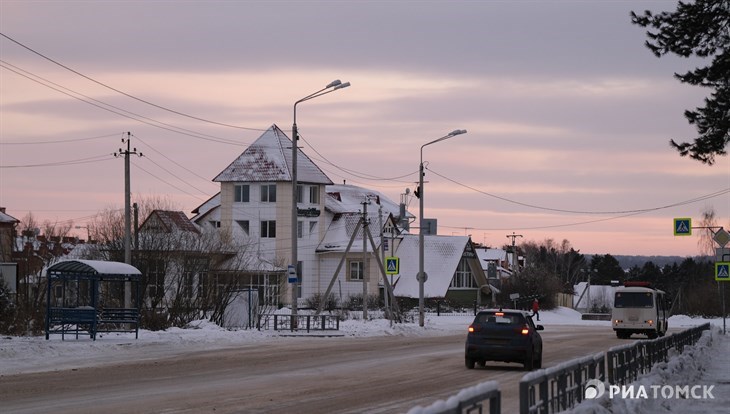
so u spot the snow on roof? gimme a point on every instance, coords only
(346, 200)
(491, 255)
(340, 231)
(343, 198)
(210, 203)
(96, 267)
(6, 218)
(441, 257)
(268, 159)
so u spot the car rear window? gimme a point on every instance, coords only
(494, 318)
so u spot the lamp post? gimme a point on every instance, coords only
(421, 226)
(331, 87)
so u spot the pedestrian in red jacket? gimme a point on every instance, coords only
(536, 309)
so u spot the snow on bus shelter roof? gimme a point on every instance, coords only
(94, 267)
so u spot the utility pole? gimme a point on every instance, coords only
(514, 251)
(382, 255)
(364, 259)
(127, 212)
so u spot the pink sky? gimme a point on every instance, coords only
(568, 114)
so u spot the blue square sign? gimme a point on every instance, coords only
(722, 271)
(683, 226)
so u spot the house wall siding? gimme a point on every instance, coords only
(226, 207)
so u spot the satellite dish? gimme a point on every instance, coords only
(408, 191)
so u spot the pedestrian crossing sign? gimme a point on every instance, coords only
(722, 271)
(683, 226)
(392, 265)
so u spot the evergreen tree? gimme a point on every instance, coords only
(698, 29)
(605, 269)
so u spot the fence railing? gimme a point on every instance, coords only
(301, 323)
(476, 399)
(562, 387)
(625, 363)
(558, 388)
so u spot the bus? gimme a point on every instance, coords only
(638, 308)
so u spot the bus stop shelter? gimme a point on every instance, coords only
(92, 296)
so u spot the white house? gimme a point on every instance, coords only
(359, 272)
(254, 207)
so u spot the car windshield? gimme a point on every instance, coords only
(487, 318)
(633, 300)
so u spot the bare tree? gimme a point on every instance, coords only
(705, 243)
(28, 223)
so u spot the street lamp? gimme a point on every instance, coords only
(421, 225)
(331, 87)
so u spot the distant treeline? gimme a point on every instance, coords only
(627, 262)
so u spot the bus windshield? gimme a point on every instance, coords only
(633, 300)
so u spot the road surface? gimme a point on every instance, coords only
(388, 374)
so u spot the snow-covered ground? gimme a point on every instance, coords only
(707, 363)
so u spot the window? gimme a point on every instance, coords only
(244, 225)
(268, 193)
(312, 228)
(215, 224)
(633, 300)
(156, 279)
(268, 229)
(314, 194)
(300, 229)
(300, 194)
(462, 276)
(240, 193)
(355, 270)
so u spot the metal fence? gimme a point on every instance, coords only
(558, 388)
(625, 363)
(476, 399)
(301, 323)
(562, 387)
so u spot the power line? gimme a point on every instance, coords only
(174, 162)
(169, 172)
(629, 212)
(354, 173)
(63, 141)
(127, 114)
(87, 160)
(124, 93)
(167, 182)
